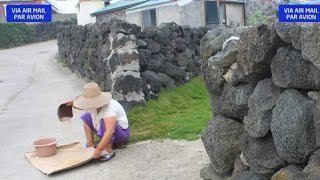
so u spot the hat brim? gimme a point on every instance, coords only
(81, 102)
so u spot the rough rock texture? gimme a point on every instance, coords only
(290, 70)
(261, 102)
(238, 168)
(123, 66)
(295, 34)
(291, 172)
(171, 50)
(153, 80)
(261, 154)
(292, 33)
(217, 65)
(257, 47)
(312, 170)
(292, 126)
(282, 30)
(216, 103)
(115, 53)
(316, 114)
(208, 173)
(249, 175)
(235, 100)
(269, 80)
(213, 76)
(234, 75)
(310, 45)
(222, 143)
(212, 42)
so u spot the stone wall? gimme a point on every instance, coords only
(47, 31)
(134, 65)
(264, 90)
(110, 16)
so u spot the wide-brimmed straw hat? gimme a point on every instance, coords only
(92, 97)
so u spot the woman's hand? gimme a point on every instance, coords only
(96, 153)
(69, 102)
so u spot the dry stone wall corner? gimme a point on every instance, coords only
(269, 91)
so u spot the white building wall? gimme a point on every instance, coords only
(86, 8)
(192, 14)
(134, 18)
(234, 14)
(184, 12)
(168, 14)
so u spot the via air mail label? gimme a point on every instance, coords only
(29, 13)
(299, 13)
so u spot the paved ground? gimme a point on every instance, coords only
(32, 84)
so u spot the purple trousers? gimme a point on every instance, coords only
(120, 135)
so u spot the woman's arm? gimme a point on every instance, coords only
(70, 103)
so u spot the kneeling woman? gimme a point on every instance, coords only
(105, 117)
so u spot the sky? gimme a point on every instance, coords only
(65, 6)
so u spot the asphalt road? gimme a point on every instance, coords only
(32, 85)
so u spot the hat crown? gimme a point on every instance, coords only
(91, 90)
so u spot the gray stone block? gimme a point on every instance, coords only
(261, 102)
(234, 100)
(292, 126)
(261, 154)
(222, 140)
(290, 70)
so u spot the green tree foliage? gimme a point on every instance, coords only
(257, 17)
(14, 34)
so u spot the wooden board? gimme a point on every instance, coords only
(68, 156)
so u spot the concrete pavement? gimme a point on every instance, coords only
(32, 85)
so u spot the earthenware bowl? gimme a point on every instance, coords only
(64, 112)
(45, 147)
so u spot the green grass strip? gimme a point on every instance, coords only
(181, 113)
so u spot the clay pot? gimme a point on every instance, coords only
(45, 147)
(64, 112)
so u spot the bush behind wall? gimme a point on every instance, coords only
(16, 34)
